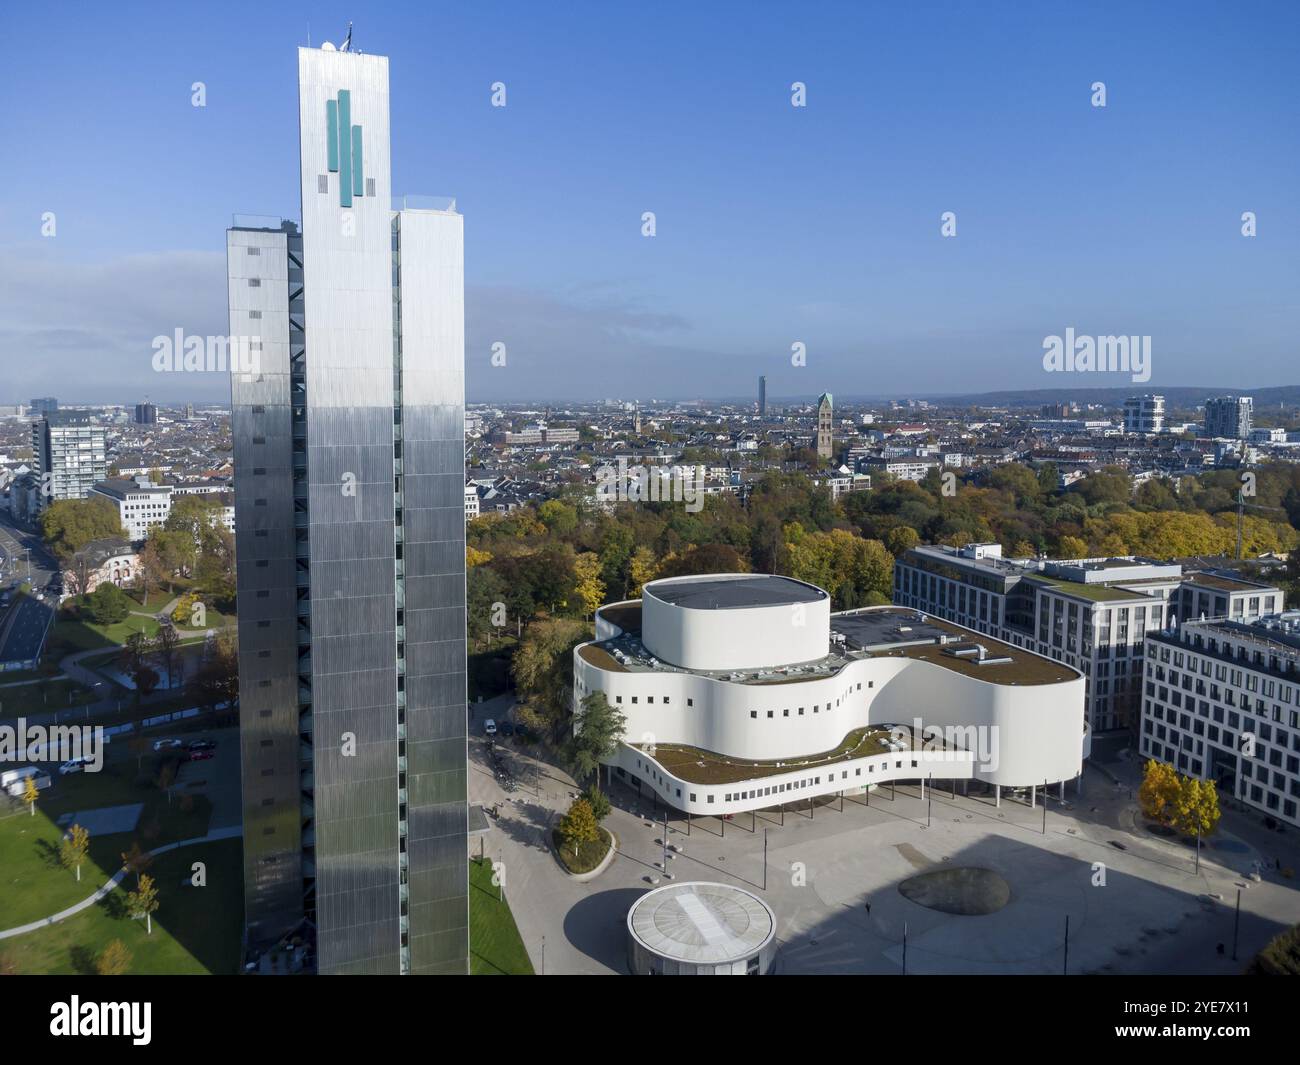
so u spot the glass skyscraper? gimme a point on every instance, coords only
(348, 423)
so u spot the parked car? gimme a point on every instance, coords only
(489, 727)
(202, 745)
(507, 729)
(14, 781)
(200, 756)
(73, 765)
(166, 745)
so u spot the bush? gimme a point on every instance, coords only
(598, 801)
(1281, 957)
(107, 605)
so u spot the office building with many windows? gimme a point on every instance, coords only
(348, 421)
(1091, 614)
(1221, 702)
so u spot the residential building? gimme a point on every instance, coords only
(1144, 414)
(1229, 417)
(70, 454)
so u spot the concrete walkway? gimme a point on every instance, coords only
(220, 833)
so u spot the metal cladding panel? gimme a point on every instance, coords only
(264, 542)
(349, 340)
(433, 420)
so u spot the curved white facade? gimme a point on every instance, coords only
(720, 630)
(1008, 734)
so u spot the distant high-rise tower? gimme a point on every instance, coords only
(762, 397)
(43, 405)
(1144, 414)
(636, 422)
(70, 451)
(825, 426)
(349, 491)
(1229, 417)
(146, 414)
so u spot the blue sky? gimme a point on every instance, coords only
(775, 224)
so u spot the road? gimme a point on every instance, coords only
(23, 625)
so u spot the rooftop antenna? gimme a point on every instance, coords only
(346, 46)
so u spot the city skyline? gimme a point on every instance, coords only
(785, 230)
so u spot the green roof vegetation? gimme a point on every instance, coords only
(698, 766)
(1100, 593)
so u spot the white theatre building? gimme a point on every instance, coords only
(744, 691)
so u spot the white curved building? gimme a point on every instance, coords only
(743, 691)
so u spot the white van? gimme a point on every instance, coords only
(14, 781)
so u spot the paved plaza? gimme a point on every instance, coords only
(1134, 900)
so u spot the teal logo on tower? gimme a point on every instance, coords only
(344, 140)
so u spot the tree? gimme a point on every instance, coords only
(588, 585)
(68, 525)
(114, 960)
(560, 518)
(901, 539)
(1072, 547)
(1159, 793)
(143, 901)
(542, 667)
(1196, 811)
(135, 661)
(151, 569)
(73, 849)
(598, 730)
(579, 826)
(641, 569)
(598, 800)
(107, 604)
(217, 680)
(30, 794)
(165, 644)
(136, 861)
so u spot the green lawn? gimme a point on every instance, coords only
(53, 695)
(69, 635)
(495, 948)
(35, 885)
(195, 930)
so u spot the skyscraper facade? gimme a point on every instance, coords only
(349, 479)
(1229, 417)
(71, 454)
(762, 397)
